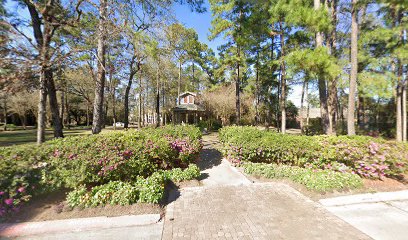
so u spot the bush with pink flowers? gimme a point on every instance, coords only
(93, 160)
(120, 156)
(366, 156)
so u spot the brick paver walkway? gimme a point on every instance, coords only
(248, 211)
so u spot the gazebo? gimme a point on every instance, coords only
(188, 111)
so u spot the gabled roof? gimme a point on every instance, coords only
(187, 93)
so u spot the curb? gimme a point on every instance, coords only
(246, 181)
(365, 198)
(75, 225)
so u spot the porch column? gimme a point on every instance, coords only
(173, 118)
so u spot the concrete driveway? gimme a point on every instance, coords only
(381, 216)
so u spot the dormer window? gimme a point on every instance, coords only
(187, 98)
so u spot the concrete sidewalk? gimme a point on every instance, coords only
(124, 227)
(382, 216)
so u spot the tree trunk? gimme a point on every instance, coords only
(308, 104)
(404, 110)
(139, 122)
(179, 84)
(157, 97)
(62, 99)
(332, 106)
(126, 102)
(324, 112)
(332, 93)
(283, 81)
(144, 108)
(43, 33)
(237, 91)
(404, 100)
(257, 91)
(24, 121)
(42, 108)
(302, 109)
(87, 114)
(398, 100)
(98, 115)
(52, 93)
(5, 112)
(360, 113)
(127, 90)
(112, 94)
(164, 111)
(68, 117)
(105, 114)
(193, 68)
(351, 130)
(269, 113)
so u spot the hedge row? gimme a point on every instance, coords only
(317, 180)
(94, 160)
(366, 156)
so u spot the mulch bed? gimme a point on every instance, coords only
(54, 207)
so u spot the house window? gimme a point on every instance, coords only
(191, 99)
(186, 99)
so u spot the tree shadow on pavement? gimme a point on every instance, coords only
(209, 158)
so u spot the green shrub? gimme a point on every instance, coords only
(367, 156)
(178, 174)
(314, 128)
(20, 174)
(312, 179)
(149, 190)
(93, 160)
(121, 156)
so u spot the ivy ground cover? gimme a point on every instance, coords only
(132, 165)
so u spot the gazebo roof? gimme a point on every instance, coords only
(188, 107)
(187, 93)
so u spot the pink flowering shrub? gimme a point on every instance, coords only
(121, 156)
(11, 201)
(92, 160)
(20, 174)
(366, 156)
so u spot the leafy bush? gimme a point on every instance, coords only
(366, 156)
(20, 175)
(178, 174)
(317, 180)
(209, 125)
(120, 156)
(150, 189)
(314, 128)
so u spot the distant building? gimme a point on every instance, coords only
(313, 112)
(188, 111)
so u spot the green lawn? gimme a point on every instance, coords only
(9, 138)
